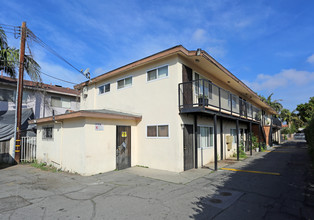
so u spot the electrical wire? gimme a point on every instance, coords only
(58, 78)
(9, 25)
(47, 47)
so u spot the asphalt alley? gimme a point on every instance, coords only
(142, 193)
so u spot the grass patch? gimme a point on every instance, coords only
(142, 166)
(45, 167)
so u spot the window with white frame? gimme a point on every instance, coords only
(60, 102)
(206, 136)
(157, 73)
(104, 88)
(233, 133)
(48, 132)
(124, 83)
(157, 131)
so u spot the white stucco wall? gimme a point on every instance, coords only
(78, 147)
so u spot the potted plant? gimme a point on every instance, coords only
(202, 98)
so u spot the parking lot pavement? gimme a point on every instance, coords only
(142, 193)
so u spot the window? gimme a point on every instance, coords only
(233, 133)
(104, 88)
(206, 136)
(60, 102)
(56, 102)
(25, 97)
(7, 95)
(126, 82)
(157, 131)
(157, 73)
(48, 132)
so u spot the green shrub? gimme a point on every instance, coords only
(309, 136)
(254, 142)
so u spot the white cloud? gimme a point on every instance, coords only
(99, 71)
(199, 35)
(285, 78)
(310, 59)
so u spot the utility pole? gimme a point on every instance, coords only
(20, 95)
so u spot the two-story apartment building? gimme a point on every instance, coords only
(174, 110)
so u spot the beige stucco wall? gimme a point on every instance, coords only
(157, 102)
(78, 147)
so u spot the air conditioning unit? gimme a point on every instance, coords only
(85, 92)
(229, 141)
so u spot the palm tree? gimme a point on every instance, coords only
(9, 60)
(275, 104)
(286, 115)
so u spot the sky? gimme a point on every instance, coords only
(269, 45)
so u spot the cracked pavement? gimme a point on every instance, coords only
(30, 193)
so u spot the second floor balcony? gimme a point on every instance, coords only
(204, 95)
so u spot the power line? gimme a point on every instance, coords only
(58, 78)
(9, 25)
(47, 47)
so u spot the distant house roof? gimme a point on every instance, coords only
(39, 85)
(101, 113)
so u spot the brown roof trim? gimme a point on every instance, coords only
(159, 55)
(40, 85)
(84, 114)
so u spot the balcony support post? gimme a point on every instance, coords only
(237, 130)
(219, 99)
(259, 136)
(250, 140)
(271, 132)
(203, 94)
(231, 98)
(215, 140)
(195, 140)
(221, 139)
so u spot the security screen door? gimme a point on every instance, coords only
(123, 147)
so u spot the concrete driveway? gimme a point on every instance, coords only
(141, 193)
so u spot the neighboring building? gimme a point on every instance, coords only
(174, 110)
(44, 99)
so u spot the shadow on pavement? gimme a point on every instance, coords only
(4, 165)
(254, 196)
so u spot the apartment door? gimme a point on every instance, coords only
(187, 87)
(188, 147)
(123, 147)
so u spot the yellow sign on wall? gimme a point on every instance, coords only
(124, 134)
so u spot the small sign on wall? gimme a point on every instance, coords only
(99, 127)
(124, 134)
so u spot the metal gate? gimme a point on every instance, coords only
(28, 149)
